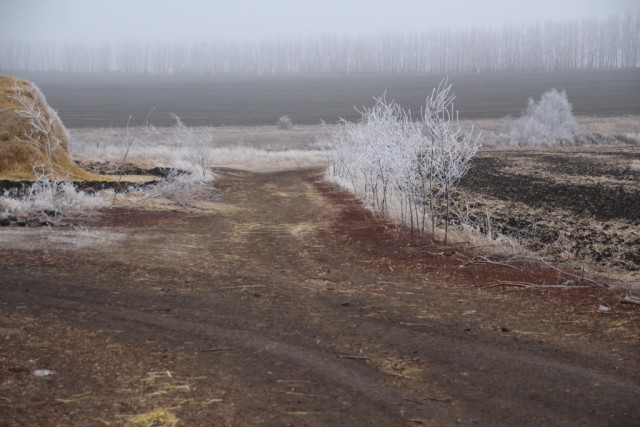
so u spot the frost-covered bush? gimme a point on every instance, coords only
(181, 187)
(48, 200)
(375, 156)
(405, 168)
(549, 120)
(284, 123)
(193, 153)
(189, 169)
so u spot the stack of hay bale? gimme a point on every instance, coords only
(24, 143)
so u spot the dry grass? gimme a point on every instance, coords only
(267, 138)
(157, 418)
(18, 156)
(623, 127)
(611, 125)
(605, 125)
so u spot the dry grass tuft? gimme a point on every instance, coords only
(157, 418)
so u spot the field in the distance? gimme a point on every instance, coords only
(105, 100)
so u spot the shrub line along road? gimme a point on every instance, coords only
(280, 306)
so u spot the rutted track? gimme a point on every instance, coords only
(269, 304)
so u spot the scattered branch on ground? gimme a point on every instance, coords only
(596, 283)
(213, 350)
(528, 285)
(346, 356)
(628, 299)
(485, 260)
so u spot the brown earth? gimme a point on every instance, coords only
(580, 204)
(286, 303)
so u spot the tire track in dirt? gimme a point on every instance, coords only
(510, 367)
(308, 330)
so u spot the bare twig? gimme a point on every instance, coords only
(516, 284)
(130, 140)
(211, 350)
(486, 260)
(527, 285)
(628, 299)
(293, 393)
(74, 398)
(346, 356)
(598, 284)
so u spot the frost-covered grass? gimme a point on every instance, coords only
(48, 200)
(189, 155)
(257, 149)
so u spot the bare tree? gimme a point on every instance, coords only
(398, 166)
(452, 148)
(608, 43)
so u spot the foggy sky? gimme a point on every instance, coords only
(162, 20)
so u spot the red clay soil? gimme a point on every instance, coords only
(292, 305)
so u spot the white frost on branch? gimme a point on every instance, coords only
(549, 120)
(401, 167)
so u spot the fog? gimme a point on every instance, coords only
(95, 21)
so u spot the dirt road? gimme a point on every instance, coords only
(287, 304)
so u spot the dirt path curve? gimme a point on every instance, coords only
(264, 311)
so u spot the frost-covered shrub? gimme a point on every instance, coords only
(180, 187)
(550, 120)
(284, 123)
(189, 168)
(401, 167)
(193, 153)
(50, 199)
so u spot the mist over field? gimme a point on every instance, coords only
(588, 44)
(329, 37)
(105, 100)
(96, 21)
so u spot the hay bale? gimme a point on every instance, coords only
(18, 156)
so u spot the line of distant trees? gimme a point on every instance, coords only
(590, 44)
